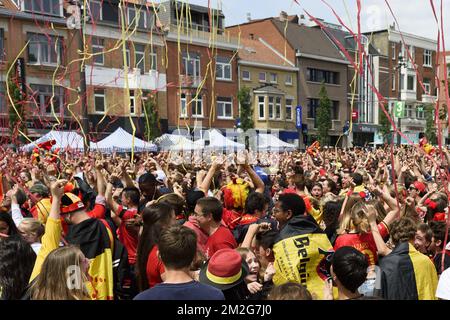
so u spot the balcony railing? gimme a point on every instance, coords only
(202, 32)
(428, 98)
(190, 81)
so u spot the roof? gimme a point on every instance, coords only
(269, 89)
(194, 7)
(256, 51)
(346, 39)
(309, 40)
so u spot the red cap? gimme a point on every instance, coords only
(419, 186)
(322, 172)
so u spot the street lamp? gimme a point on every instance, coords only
(401, 63)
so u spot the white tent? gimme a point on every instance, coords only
(269, 142)
(64, 140)
(220, 142)
(122, 141)
(173, 142)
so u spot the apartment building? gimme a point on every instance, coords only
(419, 55)
(362, 99)
(202, 67)
(318, 60)
(40, 69)
(124, 64)
(273, 83)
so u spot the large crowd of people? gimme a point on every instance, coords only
(327, 223)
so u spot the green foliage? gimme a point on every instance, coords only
(246, 113)
(430, 127)
(152, 125)
(323, 116)
(16, 111)
(385, 125)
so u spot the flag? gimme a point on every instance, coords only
(95, 241)
(407, 274)
(301, 253)
(399, 109)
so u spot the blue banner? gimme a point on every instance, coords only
(298, 119)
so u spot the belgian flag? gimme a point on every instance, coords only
(407, 274)
(301, 253)
(95, 241)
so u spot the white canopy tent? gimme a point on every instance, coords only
(217, 141)
(173, 142)
(269, 142)
(122, 141)
(64, 140)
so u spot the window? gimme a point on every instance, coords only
(288, 109)
(273, 78)
(427, 56)
(402, 82)
(411, 82)
(127, 52)
(141, 17)
(2, 45)
(313, 104)
(262, 77)
(99, 100)
(278, 107)
(394, 52)
(50, 7)
(261, 108)
(96, 10)
(197, 107)
(427, 86)
(224, 108)
(139, 57)
(288, 80)
(335, 110)
(393, 81)
(191, 64)
(420, 112)
(97, 50)
(153, 61)
(317, 75)
(223, 68)
(41, 49)
(3, 105)
(409, 111)
(246, 75)
(132, 102)
(42, 95)
(271, 108)
(183, 109)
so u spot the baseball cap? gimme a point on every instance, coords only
(70, 203)
(160, 175)
(419, 186)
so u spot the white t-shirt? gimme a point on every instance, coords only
(443, 288)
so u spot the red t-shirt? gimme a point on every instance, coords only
(155, 268)
(231, 218)
(222, 238)
(202, 237)
(364, 243)
(128, 235)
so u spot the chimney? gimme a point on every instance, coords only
(302, 20)
(283, 16)
(249, 16)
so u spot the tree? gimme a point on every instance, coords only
(152, 125)
(323, 116)
(246, 112)
(16, 111)
(430, 127)
(385, 125)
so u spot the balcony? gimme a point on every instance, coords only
(189, 81)
(408, 95)
(193, 32)
(429, 99)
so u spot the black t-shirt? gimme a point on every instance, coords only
(438, 260)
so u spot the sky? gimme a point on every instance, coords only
(413, 16)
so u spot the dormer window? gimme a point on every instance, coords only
(47, 7)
